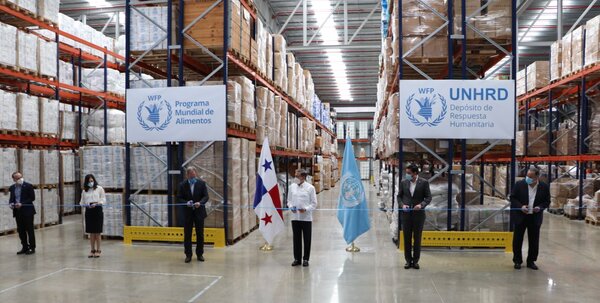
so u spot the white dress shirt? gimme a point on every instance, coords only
(532, 193)
(93, 196)
(302, 196)
(413, 185)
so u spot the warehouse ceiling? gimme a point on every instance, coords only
(348, 75)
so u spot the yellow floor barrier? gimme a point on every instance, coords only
(465, 239)
(170, 234)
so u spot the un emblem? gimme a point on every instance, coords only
(154, 115)
(352, 192)
(425, 109)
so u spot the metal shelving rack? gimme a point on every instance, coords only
(177, 65)
(462, 63)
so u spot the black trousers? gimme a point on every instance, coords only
(412, 228)
(302, 230)
(26, 231)
(190, 222)
(533, 235)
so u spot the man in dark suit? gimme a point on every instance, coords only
(21, 201)
(528, 200)
(192, 196)
(414, 195)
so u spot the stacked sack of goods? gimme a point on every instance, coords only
(592, 213)
(241, 183)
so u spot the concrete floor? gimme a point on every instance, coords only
(60, 272)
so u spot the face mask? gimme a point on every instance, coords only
(90, 184)
(297, 181)
(193, 181)
(528, 180)
(20, 181)
(408, 177)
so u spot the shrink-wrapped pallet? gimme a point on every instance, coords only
(113, 215)
(8, 108)
(69, 125)
(245, 193)
(69, 199)
(30, 161)
(28, 113)
(8, 158)
(106, 163)
(538, 75)
(572, 207)
(556, 60)
(30, 5)
(49, 116)
(592, 41)
(47, 58)
(577, 48)
(115, 126)
(567, 51)
(478, 216)
(565, 139)
(150, 210)
(247, 88)
(50, 203)
(27, 47)
(248, 118)
(65, 75)
(8, 45)
(145, 30)
(234, 102)
(147, 163)
(37, 203)
(521, 82)
(50, 167)
(48, 9)
(68, 166)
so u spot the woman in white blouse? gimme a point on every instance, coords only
(92, 198)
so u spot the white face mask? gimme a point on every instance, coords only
(20, 181)
(297, 181)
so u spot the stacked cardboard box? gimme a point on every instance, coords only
(106, 163)
(478, 215)
(248, 114)
(69, 198)
(280, 75)
(154, 206)
(146, 164)
(30, 161)
(593, 211)
(50, 203)
(28, 113)
(556, 60)
(8, 47)
(537, 143)
(8, 158)
(538, 75)
(266, 116)
(115, 124)
(50, 167)
(113, 215)
(572, 207)
(567, 52)
(494, 21)
(592, 41)
(522, 82)
(68, 160)
(291, 75)
(577, 48)
(234, 102)
(8, 108)
(49, 116)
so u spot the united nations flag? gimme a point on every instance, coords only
(353, 212)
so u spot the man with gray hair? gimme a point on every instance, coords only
(529, 198)
(192, 196)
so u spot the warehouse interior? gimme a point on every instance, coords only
(309, 77)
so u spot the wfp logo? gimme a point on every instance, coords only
(154, 114)
(421, 111)
(352, 193)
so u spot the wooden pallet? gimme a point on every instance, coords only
(8, 232)
(28, 134)
(9, 132)
(570, 217)
(558, 212)
(242, 128)
(51, 136)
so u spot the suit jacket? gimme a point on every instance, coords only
(200, 195)
(519, 196)
(421, 195)
(27, 198)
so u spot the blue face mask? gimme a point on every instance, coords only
(408, 177)
(193, 181)
(528, 180)
(90, 184)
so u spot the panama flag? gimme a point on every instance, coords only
(267, 204)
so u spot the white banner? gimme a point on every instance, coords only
(457, 109)
(191, 113)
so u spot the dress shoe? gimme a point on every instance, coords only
(30, 252)
(188, 259)
(22, 251)
(517, 265)
(407, 265)
(532, 266)
(296, 263)
(416, 266)
(200, 258)
(305, 263)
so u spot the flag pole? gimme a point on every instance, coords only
(352, 248)
(266, 247)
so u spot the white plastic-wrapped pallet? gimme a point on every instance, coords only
(30, 165)
(69, 126)
(27, 46)
(7, 222)
(65, 75)
(113, 215)
(50, 167)
(116, 126)
(145, 166)
(49, 116)
(8, 44)
(145, 33)
(68, 166)
(153, 205)
(47, 58)
(49, 9)
(50, 202)
(8, 108)
(68, 198)
(30, 5)
(8, 158)
(28, 113)
(66, 24)
(106, 163)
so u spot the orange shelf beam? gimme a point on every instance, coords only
(37, 141)
(355, 141)
(240, 134)
(577, 76)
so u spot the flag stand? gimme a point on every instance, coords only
(266, 247)
(352, 248)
